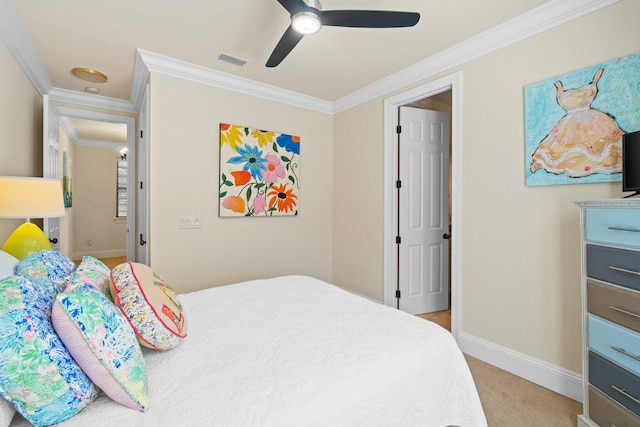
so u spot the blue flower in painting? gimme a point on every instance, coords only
(290, 143)
(252, 159)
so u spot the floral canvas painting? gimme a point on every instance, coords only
(574, 123)
(66, 180)
(258, 172)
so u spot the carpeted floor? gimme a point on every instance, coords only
(511, 401)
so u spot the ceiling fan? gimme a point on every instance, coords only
(308, 17)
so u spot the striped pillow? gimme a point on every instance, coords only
(102, 342)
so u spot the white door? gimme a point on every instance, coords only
(142, 243)
(51, 162)
(423, 218)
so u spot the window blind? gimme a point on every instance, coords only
(121, 189)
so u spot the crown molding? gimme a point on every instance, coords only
(173, 67)
(139, 82)
(538, 20)
(542, 18)
(16, 40)
(81, 98)
(95, 143)
(69, 129)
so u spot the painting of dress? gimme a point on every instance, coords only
(575, 123)
(258, 172)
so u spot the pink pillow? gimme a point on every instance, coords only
(102, 343)
(151, 306)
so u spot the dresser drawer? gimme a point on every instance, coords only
(614, 381)
(616, 304)
(613, 226)
(618, 266)
(606, 412)
(616, 343)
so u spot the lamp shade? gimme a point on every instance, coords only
(29, 198)
(23, 197)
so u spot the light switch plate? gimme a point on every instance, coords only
(189, 222)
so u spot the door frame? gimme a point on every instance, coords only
(80, 113)
(452, 82)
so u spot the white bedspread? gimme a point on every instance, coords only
(295, 351)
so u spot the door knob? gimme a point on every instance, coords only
(54, 240)
(142, 241)
(446, 236)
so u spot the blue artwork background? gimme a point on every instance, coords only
(618, 96)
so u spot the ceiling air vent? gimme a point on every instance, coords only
(232, 60)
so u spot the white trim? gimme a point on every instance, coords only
(100, 144)
(109, 253)
(69, 129)
(139, 82)
(89, 100)
(18, 43)
(560, 380)
(199, 74)
(540, 19)
(131, 156)
(452, 82)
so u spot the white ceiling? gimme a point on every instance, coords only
(331, 68)
(331, 64)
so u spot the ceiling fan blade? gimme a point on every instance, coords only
(369, 18)
(289, 40)
(293, 6)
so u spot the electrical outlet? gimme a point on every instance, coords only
(189, 222)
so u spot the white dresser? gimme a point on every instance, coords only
(610, 242)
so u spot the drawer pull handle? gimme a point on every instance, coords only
(622, 310)
(624, 392)
(633, 230)
(624, 270)
(625, 352)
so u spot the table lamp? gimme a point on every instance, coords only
(24, 197)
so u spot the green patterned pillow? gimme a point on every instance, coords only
(93, 271)
(103, 343)
(37, 373)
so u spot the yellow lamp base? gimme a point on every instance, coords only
(26, 239)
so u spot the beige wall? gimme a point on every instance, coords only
(520, 259)
(94, 204)
(184, 167)
(520, 245)
(20, 128)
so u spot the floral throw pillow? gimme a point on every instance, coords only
(48, 269)
(102, 342)
(37, 373)
(92, 270)
(150, 305)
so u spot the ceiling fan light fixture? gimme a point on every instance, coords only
(306, 22)
(89, 75)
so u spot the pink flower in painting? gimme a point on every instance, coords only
(273, 169)
(259, 203)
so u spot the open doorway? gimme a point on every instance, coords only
(96, 152)
(429, 93)
(424, 219)
(69, 119)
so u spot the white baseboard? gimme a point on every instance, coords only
(555, 378)
(110, 253)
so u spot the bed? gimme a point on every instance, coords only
(296, 351)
